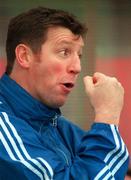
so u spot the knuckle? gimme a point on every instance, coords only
(114, 79)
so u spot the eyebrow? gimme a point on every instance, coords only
(66, 42)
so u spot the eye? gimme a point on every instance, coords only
(80, 53)
(65, 52)
(80, 56)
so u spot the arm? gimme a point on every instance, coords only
(102, 153)
(106, 150)
(11, 170)
(99, 153)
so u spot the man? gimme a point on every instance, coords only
(44, 47)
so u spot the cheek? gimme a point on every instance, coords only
(55, 70)
(51, 76)
(51, 71)
(55, 74)
(58, 69)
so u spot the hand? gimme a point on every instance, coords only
(106, 95)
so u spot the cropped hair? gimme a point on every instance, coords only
(31, 28)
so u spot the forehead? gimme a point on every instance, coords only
(61, 35)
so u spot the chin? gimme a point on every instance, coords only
(57, 104)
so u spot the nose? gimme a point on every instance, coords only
(74, 66)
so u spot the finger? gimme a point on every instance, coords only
(119, 84)
(99, 78)
(88, 82)
(114, 79)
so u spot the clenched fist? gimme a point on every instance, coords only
(106, 95)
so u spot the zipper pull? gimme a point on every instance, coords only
(54, 121)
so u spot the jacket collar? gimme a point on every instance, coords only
(23, 104)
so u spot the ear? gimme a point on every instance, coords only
(23, 55)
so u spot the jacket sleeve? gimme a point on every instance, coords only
(11, 170)
(102, 154)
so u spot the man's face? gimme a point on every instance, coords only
(54, 70)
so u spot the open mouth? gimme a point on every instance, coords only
(69, 85)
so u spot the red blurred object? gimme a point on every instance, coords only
(2, 66)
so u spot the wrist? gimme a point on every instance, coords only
(107, 118)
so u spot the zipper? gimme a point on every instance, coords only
(54, 120)
(54, 124)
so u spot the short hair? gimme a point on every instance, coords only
(31, 28)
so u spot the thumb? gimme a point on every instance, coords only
(99, 78)
(89, 84)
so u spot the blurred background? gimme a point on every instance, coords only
(107, 49)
